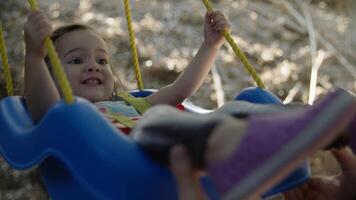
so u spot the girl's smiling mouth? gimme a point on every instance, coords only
(91, 81)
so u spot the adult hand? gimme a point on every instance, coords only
(341, 186)
(187, 179)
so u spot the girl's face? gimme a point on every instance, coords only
(85, 60)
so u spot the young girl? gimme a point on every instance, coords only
(232, 150)
(86, 62)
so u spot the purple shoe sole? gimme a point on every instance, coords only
(275, 144)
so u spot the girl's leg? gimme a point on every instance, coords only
(242, 109)
(249, 101)
(246, 156)
(273, 145)
(161, 127)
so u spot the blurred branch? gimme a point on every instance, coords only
(268, 11)
(328, 45)
(220, 96)
(84, 6)
(351, 7)
(310, 27)
(294, 91)
(314, 75)
(290, 8)
(344, 62)
(316, 60)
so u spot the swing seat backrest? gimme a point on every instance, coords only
(80, 154)
(83, 156)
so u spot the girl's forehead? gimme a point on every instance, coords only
(84, 39)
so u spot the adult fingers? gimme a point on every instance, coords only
(186, 178)
(346, 159)
(292, 195)
(180, 164)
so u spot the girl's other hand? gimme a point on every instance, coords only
(214, 23)
(37, 28)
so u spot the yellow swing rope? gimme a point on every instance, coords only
(5, 64)
(56, 66)
(133, 45)
(238, 52)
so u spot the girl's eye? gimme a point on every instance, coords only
(103, 62)
(76, 61)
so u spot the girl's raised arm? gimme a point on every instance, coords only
(41, 92)
(194, 75)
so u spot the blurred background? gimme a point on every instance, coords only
(283, 39)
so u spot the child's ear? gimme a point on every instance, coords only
(115, 85)
(116, 80)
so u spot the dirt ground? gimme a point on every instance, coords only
(272, 33)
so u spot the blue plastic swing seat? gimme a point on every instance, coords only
(82, 156)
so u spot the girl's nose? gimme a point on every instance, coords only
(93, 67)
